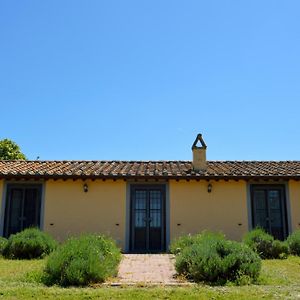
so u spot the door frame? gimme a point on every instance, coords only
(286, 203)
(134, 183)
(6, 184)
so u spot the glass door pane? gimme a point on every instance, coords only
(260, 210)
(140, 219)
(276, 213)
(14, 215)
(155, 230)
(31, 215)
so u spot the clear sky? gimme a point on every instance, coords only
(137, 80)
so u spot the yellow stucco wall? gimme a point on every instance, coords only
(72, 211)
(221, 210)
(294, 195)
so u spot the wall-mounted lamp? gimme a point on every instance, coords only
(209, 188)
(85, 188)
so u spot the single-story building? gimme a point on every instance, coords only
(143, 205)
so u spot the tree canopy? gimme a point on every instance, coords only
(9, 150)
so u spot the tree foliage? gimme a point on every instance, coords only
(9, 150)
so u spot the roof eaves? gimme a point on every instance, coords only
(34, 176)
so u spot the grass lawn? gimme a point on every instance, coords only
(280, 279)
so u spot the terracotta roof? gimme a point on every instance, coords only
(149, 169)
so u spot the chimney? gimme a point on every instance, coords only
(199, 154)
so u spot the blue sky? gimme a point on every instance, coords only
(137, 80)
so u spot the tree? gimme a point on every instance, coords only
(9, 150)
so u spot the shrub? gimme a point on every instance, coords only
(180, 243)
(184, 241)
(213, 259)
(28, 244)
(265, 245)
(279, 249)
(3, 242)
(81, 261)
(293, 242)
(260, 241)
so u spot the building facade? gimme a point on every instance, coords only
(144, 205)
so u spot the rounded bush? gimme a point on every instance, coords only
(280, 249)
(216, 260)
(81, 261)
(265, 245)
(293, 242)
(28, 244)
(178, 244)
(3, 243)
(184, 241)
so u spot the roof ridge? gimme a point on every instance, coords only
(147, 161)
(96, 161)
(253, 161)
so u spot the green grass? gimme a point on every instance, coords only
(280, 279)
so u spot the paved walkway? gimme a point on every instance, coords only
(147, 269)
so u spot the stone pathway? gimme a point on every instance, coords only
(147, 269)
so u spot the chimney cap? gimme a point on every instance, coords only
(199, 139)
